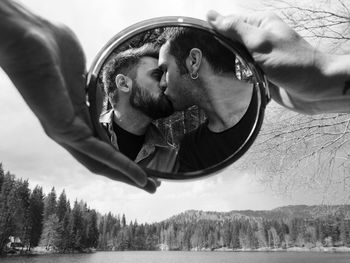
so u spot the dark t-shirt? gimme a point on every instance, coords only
(202, 148)
(129, 144)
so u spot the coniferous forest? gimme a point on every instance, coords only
(51, 222)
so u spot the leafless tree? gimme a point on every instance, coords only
(323, 22)
(295, 151)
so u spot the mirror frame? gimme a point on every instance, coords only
(261, 87)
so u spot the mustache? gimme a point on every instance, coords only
(165, 96)
(155, 108)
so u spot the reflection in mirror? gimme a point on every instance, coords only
(177, 100)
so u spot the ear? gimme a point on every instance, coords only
(123, 83)
(194, 60)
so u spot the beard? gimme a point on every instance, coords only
(155, 108)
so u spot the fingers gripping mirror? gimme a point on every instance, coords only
(177, 98)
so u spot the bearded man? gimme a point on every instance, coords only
(131, 82)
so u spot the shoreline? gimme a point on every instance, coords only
(342, 249)
(37, 251)
(40, 251)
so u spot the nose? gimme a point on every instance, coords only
(162, 83)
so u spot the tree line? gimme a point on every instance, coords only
(43, 220)
(52, 223)
(238, 232)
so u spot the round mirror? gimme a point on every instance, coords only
(176, 97)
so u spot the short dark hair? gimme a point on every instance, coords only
(125, 62)
(183, 39)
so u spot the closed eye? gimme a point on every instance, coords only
(157, 74)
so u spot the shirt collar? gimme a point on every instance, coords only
(153, 137)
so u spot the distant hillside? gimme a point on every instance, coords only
(280, 213)
(301, 226)
(49, 221)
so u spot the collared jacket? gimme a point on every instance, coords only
(155, 152)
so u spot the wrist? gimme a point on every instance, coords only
(335, 73)
(333, 84)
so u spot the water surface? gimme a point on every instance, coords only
(188, 257)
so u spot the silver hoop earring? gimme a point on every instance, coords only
(194, 76)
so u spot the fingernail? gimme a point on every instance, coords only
(155, 181)
(142, 178)
(150, 187)
(143, 181)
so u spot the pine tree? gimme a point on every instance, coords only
(50, 204)
(50, 237)
(85, 218)
(22, 214)
(227, 234)
(63, 213)
(65, 230)
(139, 237)
(2, 175)
(123, 221)
(102, 239)
(61, 206)
(8, 202)
(77, 226)
(235, 235)
(36, 210)
(92, 231)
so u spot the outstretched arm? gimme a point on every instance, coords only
(303, 78)
(47, 65)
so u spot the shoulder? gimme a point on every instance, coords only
(155, 137)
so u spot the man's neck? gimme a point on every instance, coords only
(225, 101)
(131, 120)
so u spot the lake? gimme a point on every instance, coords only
(188, 257)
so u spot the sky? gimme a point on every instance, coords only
(27, 152)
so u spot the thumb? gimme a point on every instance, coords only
(234, 27)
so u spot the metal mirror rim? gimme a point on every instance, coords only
(261, 85)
